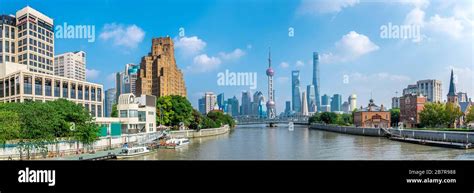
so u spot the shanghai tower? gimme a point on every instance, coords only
(316, 80)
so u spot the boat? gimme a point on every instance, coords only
(176, 142)
(291, 126)
(128, 152)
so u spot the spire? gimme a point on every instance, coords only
(269, 57)
(452, 87)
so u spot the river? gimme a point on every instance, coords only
(256, 142)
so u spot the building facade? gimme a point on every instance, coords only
(352, 102)
(372, 116)
(71, 65)
(395, 102)
(110, 96)
(304, 105)
(18, 84)
(8, 38)
(336, 102)
(316, 80)
(233, 106)
(431, 89)
(135, 114)
(246, 103)
(311, 98)
(410, 107)
(159, 74)
(35, 40)
(295, 91)
(207, 102)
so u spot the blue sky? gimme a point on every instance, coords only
(235, 35)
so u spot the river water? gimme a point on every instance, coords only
(256, 142)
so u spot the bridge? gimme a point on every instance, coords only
(296, 121)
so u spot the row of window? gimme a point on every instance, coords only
(7, 58)
(9, 46)
(134, 113)
(8, 85)
(9, 31)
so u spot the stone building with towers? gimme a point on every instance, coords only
(159, 74)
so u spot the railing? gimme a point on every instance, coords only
(200, 133)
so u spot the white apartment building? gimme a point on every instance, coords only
(8, 34)
(18, 84)
(207, 103)
(135, 114)
(71, 65)
(35, 40)
(431, 89)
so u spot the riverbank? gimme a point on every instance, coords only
(201, 133)
(452, 139)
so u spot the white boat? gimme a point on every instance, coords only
(291, 126)
(177, 142)
(132, 152)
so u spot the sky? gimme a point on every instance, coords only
(358, 54)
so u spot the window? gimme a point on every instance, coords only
(93, 110)
(99, 111)
(65, 87)
(38, 86)
(123, 113)
(27, 85)
(133, 113)
(57, 87)
(48, 87)
(73, 91)
(141, 116)
(1, 88)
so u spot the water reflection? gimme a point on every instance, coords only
(257, 142)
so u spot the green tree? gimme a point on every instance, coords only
(394, 116)
(316, 118)
(197, 120)
(329, 117)
(114, 112)
(470, 115)
(433, 115)
(9, 126)
(171, 110)
(451, 114)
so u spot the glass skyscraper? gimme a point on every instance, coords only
(295, 90)
(336, 103)
(316, 79)
(311, 98)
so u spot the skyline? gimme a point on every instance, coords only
(212, 43)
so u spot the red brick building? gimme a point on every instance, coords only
(410, 107)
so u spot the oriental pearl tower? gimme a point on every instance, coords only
(271, 111)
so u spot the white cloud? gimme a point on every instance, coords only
(190, 45)
(381, 76)
(128, 36)
(236, 54)
(204, 63)
(415, 17)
(350, 47)
(299, 63)
(92, 74)
(416, 3)
(284, 65)
(446, 25)
(313, 7)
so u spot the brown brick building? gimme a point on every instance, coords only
(372, 116)
(410, 107)
(159, 75)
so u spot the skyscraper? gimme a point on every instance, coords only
(316, 79)
(287, 108)
(35, 40)
(125, 82)
(271, 109)
(246, 103)
(311, 98)
(109, 101)
(159, 74)
(431, 89)
(325, 107)
(258, 104)
(295, 90)
(233, 106)
(207, 102)
(304, 105)
(336, 101)
(352, 102)
(71, 65)
(220, 101)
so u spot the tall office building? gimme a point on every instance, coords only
(311, 98)
(35, 40)
(345, 107)
(207, 102)
(295, 90)
(71, 65)
(325, 107)
(8, 31)
(109, 101)
(411, 89)
(221, 101)
(246, 103)
(258, 104)
(431, 89)
(233, 106)
(316, 79)
(125, 82)
(288, 108)
(304, 105)
(352, 102)
(159, 74)
(336, 102)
